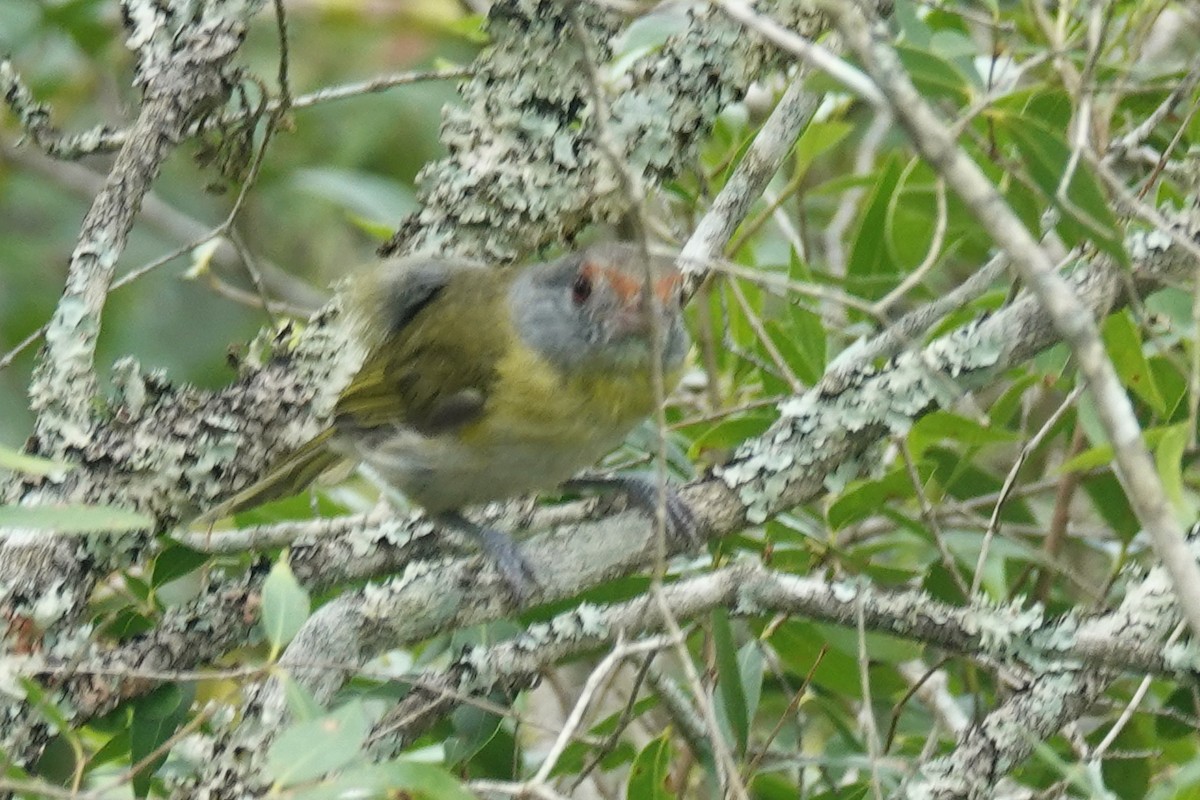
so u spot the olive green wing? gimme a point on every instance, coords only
(287, 477)
(442, 328)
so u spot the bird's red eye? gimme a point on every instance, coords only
(581, 290)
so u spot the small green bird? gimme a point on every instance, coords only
(486, 383)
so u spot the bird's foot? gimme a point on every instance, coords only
(503, 552)
(645, 494)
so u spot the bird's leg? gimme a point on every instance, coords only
(643, 493)
(501, 549)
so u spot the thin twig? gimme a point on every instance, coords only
(1010, 481)
(620, 652)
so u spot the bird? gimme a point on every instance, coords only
(484, 383)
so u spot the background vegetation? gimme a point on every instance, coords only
(853, 232)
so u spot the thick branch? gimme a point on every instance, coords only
(177, 86)
(1000, 635)
(1058, 693)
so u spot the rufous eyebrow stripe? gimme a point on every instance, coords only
(629, 286)
(667, 288)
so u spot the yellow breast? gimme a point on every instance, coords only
(533, 402)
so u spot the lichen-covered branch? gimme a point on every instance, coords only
(525, 167)
(169, 452)
(44, 580)
(821, 434)
(1010, 635)
(1007, 635)
(1058, 693)
(182, 72)
(34, 118)
(222, 618)
(182, 75)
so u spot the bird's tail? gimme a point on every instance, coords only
(291, 475)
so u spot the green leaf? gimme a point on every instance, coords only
(300, 701)
(137, 587)
(799, 643)
(1129, 776)
(870, 271)
(471, 27)
(769, 786)
(175, 562)
(750, 667)
(732, 697)
(364, 195)
(1088, 459)
(807, 326)
(1168, 457)
(429, 781)
(1172, 384)
(864, 498)
(818, 138)
(377, 230)
(934, 75)
(731, 432)
(645, 34)
(15, 461)
(801, 362)
(285, 606)
(1182, 702)
(1124, 344)
(37, 697)
(574, 757)
(964, 479)
(1108, 496)
(1086, 217)
(407, 779)
(307, 750)
(474, 727)
(1023, 199)
(126, 623)
(946, 426)
(156, 717)
(912, 211)
(1102, 454)
(75, 518)
(648, 776)
(880, 647)
(1008, 404)
(116, 748)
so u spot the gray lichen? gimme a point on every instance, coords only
(34, 118)
(526, 168)
(872, 403)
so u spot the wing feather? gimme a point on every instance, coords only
(443, 327)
